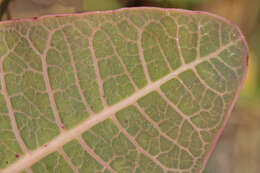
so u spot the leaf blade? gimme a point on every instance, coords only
(123, 94)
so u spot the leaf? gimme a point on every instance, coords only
(130, 90)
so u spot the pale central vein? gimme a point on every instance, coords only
(30, 158)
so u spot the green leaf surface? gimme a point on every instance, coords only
(132, 90)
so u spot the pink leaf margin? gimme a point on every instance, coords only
(176, 10)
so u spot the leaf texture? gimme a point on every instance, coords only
(132, 90)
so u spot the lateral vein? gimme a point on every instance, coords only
(10, 108)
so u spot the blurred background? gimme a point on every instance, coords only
(238, 150)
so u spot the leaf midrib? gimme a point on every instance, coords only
(32, 157)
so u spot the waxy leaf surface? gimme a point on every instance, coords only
(132, 90)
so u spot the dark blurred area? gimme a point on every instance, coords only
(238, 150)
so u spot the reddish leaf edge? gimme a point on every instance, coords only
(227, 117)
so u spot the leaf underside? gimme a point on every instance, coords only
(131, 90)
